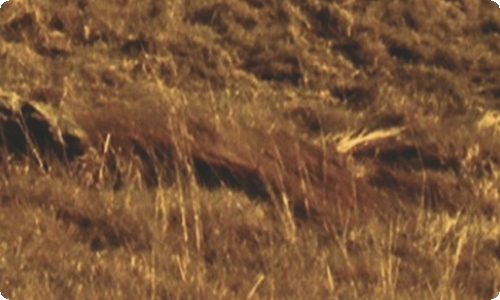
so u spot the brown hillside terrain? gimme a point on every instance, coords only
(252, 149)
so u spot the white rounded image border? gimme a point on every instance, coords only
(1, 3)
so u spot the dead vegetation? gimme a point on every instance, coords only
(242, 148)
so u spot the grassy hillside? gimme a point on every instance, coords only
(249, 149)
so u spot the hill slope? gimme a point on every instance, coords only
(247, 148)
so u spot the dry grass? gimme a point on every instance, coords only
(247, 149)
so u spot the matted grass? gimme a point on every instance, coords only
(245, 149)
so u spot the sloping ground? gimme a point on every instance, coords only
(352, 119)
